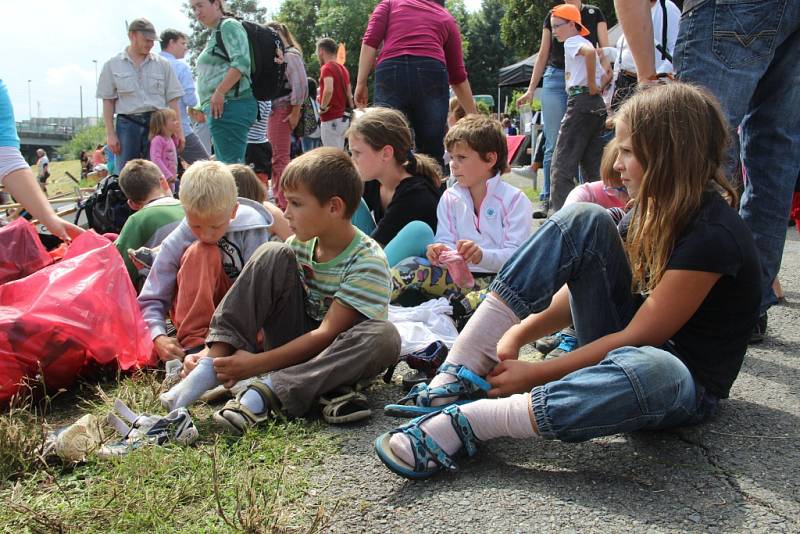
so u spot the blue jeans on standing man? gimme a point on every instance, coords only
(748, 55)
(418, 87)
(554, 105)
(132, 132)
(632, 388)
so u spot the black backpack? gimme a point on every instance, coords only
(106, 208)
(267, 65)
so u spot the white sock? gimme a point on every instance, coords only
(476, 346)
(201, 379)
(252, 399)
(489, 419)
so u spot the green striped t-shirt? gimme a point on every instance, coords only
(358, 277)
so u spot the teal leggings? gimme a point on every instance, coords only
(229, 132)
(412, 240)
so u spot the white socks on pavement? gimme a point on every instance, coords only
(476, 346)
(489, 419)
(201, 379)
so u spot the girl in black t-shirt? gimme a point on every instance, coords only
(402, 188)
(663, 318)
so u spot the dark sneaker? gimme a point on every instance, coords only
(568, 344)
(542, 211)
(759, 331)
(462, 310)
(547, 344)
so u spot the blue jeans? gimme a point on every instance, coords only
(554, 105)
(747, 53)
(417, 86)
(310, 143)
(632, 387)
(133, 141)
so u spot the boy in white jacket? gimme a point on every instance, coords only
(481, 218)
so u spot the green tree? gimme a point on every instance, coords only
(521, 27)
(487, 51)
(344, 22)
(458, 9)
(244, 9)
(300, 16)
(86, 139)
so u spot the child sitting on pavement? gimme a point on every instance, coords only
(482, 220)
(201, 258)
(321, 299)
(156, 215)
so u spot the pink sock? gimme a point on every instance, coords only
(458, 268)
(489, 419)
(476, 346)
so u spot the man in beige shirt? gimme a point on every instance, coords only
(133, 84)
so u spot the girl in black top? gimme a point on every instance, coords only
(402, 189)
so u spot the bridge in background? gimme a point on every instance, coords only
(50, 133)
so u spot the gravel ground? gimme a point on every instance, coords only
(736, 473)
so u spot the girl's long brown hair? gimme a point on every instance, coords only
(680, 137)
(379, 127)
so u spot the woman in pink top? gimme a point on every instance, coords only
(421, 55)
(164, 129)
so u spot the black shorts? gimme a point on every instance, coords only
(259, 156)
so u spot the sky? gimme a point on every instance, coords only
(53, 44)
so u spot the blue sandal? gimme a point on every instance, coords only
(467, 388)
(425, 448)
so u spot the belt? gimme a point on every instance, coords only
(577, 90)
(142, 119)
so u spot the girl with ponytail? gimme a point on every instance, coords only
(402, 188)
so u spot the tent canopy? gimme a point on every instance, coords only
(519, 74)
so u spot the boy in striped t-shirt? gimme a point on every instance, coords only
(321, 299)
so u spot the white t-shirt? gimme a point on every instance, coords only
(575, 64)
(663, 66)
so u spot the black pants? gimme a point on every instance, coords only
(259, 156)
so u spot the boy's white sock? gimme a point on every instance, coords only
(201, 379)
(252, 400)
(489, 419)
(476, 346)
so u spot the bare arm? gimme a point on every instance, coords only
(590, 57)
(602, 34)
(538, 67)
(108, 121)
(327, 93)
(366, 60)
(637, 23)
(463, 92)
(242, 364)
(557, 316)
(673, 302)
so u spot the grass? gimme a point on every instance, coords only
(256, 483)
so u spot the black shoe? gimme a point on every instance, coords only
(547, 344)
(759, 331)
(542, 211)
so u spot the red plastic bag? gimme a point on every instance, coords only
(80, 310)
(21, 252)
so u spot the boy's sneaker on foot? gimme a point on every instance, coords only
(567, 344)
(759, 331)
(546, 344)
(542, 211)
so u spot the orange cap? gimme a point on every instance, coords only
(570, 13)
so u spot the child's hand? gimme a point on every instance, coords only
(512, 376)
(470, 251)
(231, 369)
(433, 252)
(508, 347)
(168, 348)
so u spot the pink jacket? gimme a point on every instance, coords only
(164, 153)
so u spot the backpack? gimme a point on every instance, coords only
(106, 208)
(267, 67)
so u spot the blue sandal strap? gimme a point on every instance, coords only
(463, 429)
(424, 448)
(467, 382)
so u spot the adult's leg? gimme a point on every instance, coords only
(267, 294)
(280, 137)
(429, 107)
(412, 240)
(755, 44)
(132, 141)
(229, 132)
(363, 351)
(194, 149)
(554, 105)
(202, 283)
